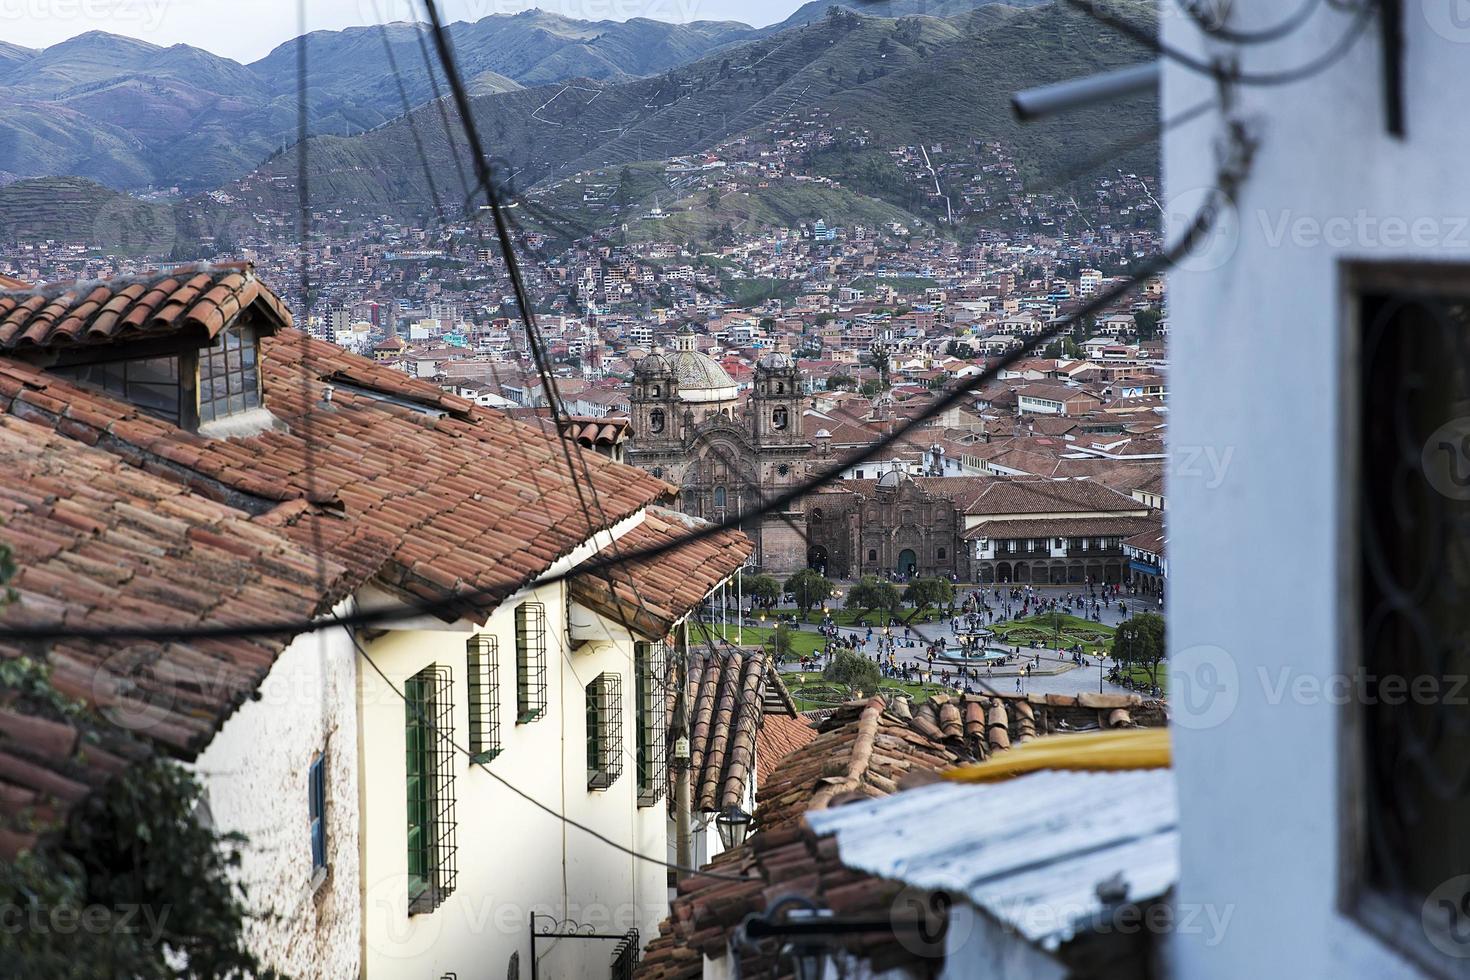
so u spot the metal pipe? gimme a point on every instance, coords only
(683, 832)
(1078, 93)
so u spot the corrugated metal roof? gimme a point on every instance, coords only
(1030, 851)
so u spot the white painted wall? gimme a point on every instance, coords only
(976, 947)
(1256, 335)
(513, 858)
(255, 777)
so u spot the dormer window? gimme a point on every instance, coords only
(229, 374)
(182, 345)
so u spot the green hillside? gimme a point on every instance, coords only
(900, 81)
(72, 209)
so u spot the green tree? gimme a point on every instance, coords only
(871, 594)
(923, 593)
(625, 188)
(811, 589)
(761, 589)
(870, 388)
(853, 671)
(132, 848)
(841, 382)
(780, 642)
(1139, 641)
(1146, 323)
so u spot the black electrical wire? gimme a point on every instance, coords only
(1226, 73)
(449, 739)
(539, 356)
(408, 113)
(1214, 25)
(453, 605)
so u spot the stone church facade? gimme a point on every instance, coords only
(893, 526)
(690, 429)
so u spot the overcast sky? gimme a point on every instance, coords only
(247, 29)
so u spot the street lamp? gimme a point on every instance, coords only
(733, 824)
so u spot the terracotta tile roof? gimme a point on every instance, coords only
(469, 499)
(99, 542)
(862, 749)
(729, 704)
(778, 738)
(1060, 527)
(591, 433)
(8, 283)
(1030, 496)
(1154, 539)
(650, 595)
(206, 298)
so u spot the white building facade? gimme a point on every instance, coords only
(1309, 799)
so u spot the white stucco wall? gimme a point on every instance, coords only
(513, 858)
(1255, 344)
(255, 777)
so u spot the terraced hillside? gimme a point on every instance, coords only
(900, 81)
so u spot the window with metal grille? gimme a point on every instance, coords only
(316, 792)
(625, 957)
(229, 374)
(482, 656)
(1408, 785)
(530, 661)
(429, 768)
(604, 731)
(649, 664)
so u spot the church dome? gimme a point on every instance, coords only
(775, 361)
(700, 377)
(823, 434)
(652, 364)
(890, 480)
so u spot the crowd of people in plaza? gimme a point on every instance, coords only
(904, 654)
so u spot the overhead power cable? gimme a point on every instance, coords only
(448, 739)
(1223, 71)
(1212, 22)
(1230, 176)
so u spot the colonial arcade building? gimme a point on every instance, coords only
(1052, 532)
(978, 529)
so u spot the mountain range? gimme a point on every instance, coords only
(553, 98)
(130, 114)
(133, 115)
(892, 81)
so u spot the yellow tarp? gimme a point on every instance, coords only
(1130, 748)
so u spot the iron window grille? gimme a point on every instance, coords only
(482, 656)
(530, 661)
(316, 791)
(429, 767)
(1408, 782)
(650, 661)
(625, 957)
(604, 731)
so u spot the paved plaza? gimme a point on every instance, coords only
(1051, 674)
